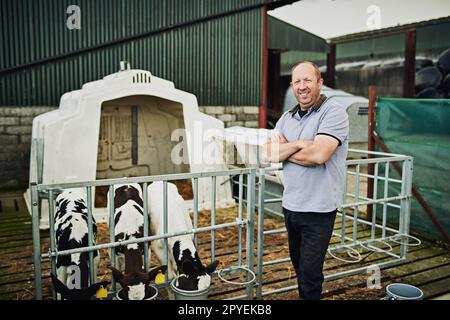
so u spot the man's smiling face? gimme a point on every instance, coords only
(306, 84)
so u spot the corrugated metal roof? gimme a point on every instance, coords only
(379, 46)
(284, 36)
(385, 31)
(429, 38)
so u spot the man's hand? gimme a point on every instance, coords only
(279, 149)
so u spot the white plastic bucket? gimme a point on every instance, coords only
(188, 294)
(401, 291)
(151, 294)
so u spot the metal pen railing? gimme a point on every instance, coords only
(39, 191)
(354, 241)
(255, 181)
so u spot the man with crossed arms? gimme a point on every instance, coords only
(311, 140)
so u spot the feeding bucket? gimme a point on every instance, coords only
(151, 294)
(401, 291)
(181, 294)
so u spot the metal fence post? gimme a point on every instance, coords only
(36, 241)
(92, 274)
(356, 208)
(405, 204)
(196, 211)
(146, 223)
(385, 202)
(261, 190)
(165, 226)
(213, 217)
(344, 200)
(374, 197)
(240, 215)
(51, 223)
(112, 237)
(250, 241)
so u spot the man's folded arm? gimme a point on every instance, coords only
(317, 153)
(278, 152)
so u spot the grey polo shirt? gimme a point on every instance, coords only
(317, 188)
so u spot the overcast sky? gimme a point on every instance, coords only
(332, 18)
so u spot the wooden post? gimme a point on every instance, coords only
(371, 145)
(263, 107)
(274, 81)
(331, 64)
(410, 64)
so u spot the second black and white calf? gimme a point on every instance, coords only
(128, 225)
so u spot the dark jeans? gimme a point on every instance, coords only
(309, 234)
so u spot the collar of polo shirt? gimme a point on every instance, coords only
(315, 107)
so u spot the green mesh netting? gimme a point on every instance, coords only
(419, 128)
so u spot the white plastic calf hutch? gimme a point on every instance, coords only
(125, 126)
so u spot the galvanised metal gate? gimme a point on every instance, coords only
(50, 191)
(380, 233)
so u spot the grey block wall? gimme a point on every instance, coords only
(15, 142)
(15, 137)
(245, 116)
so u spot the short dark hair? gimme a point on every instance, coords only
(316, 68)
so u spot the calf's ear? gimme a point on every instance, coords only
(60, 287)
(212, 267)
(117, 275)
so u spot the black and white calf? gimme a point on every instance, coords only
(71, 227)
(184, 260)
(129, 224)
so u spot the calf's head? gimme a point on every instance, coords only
(192, 274)
(134, 285)
(76, 294)
(126, 192)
